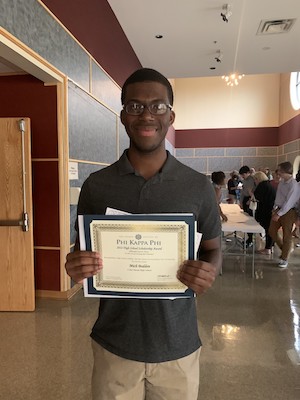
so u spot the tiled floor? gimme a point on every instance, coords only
(250, 329)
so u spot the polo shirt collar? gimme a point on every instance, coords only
(167, 172)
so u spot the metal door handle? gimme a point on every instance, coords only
(24, 222)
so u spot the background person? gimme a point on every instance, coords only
(246, 194)
(276, 179)
(264, 194)
(232, 186)
(268, 173)
(284, 214)
(218, 180)
(296, 229)
(149, 349)
(298, 209)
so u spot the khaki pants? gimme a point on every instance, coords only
(285, 242)
(116, 378)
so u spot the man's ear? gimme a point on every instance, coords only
(122, 116)
(172, 117)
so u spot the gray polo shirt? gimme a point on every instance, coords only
(150, 330)
(248, 187)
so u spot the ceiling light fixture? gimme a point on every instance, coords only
(219, 56)
(226, 12)
(232, 79)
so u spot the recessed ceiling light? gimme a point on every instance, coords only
(212, 67)
(159, 36)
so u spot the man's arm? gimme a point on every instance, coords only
(291, 200)
(199, 275)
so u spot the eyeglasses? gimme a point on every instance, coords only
(134, 108)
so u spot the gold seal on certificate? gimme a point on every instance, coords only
(140, 253)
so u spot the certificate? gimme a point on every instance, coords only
(140, 253)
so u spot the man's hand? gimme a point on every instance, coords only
(83, 264)
(198, 275)
(224, 217)
(275, 217)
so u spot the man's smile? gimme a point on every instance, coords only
(146, 131)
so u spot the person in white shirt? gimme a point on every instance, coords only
(284, 214)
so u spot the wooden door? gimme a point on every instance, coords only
(16, 237)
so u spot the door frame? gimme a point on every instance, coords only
(25, 58)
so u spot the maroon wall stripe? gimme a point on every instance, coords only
(228, 137)
(95, 26)
(289, 131)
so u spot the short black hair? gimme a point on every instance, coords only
(218, 177)
(148, 75)
(244, 170)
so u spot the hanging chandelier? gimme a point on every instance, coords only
(232, 79)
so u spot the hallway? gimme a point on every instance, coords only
(250, 329)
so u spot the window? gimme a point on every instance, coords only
(295, 90)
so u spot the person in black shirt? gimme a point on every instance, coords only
(145, 349)
(264, 194)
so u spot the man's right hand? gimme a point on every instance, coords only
(83, 264)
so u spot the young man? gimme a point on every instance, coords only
(285, 215)
(246, 194)
(149, 349)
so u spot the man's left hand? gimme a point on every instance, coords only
(275, 217)
(198, 275)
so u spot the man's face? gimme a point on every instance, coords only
(283, 175)
(147, 131)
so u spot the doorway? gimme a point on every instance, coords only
(38, 91)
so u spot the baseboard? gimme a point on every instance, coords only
(56, 295)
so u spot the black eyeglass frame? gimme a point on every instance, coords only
(148, 106)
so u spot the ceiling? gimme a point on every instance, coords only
(194, 35)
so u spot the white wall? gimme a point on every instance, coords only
(208, 103)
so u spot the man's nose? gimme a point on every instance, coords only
(146, 113)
